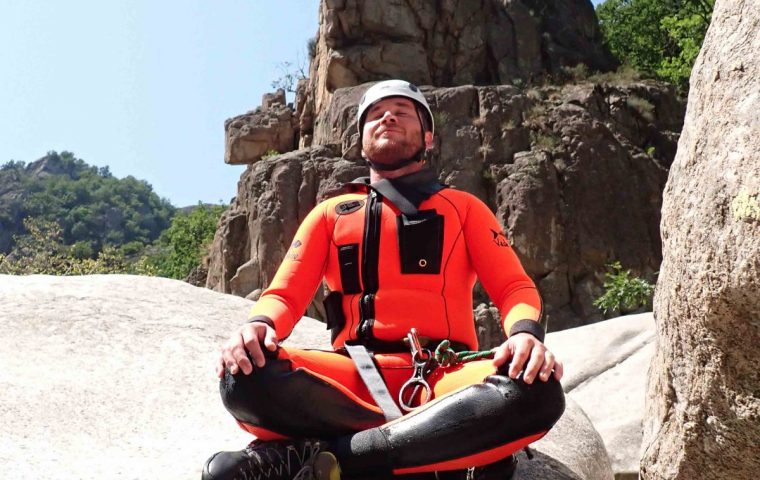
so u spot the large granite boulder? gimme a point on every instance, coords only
(573, 172)
(703, 403)
(110, 376)
(606, 365)
(572, 450)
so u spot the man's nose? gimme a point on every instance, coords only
(388, 116)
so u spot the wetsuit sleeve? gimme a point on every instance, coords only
(499, 269)
(285, 300)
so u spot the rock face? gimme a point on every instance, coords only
(572, 166)
(116, 380)
(270, 128)
(448, 43)
(703, 404)
(555, 163)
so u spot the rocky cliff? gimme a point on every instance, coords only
(573, 166)
(703, 405)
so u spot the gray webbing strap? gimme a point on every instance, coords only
(390, 192)
(374, 381)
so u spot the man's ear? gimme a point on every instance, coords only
(428, 140)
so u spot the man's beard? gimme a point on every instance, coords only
(390, 152)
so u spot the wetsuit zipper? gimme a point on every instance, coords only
(370, 259)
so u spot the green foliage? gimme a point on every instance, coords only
(42, 251)
(269, 154)
(623, 292)
(687, 31)
(311, 47)
(182, 246)
(92, 208)
(543, 140)
(625, 74)
(577, 73)
(441, 118)
(658, 37)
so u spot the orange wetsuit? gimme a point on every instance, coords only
(396, 255)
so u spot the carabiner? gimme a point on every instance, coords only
(422, 361)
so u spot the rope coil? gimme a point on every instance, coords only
(446, 357)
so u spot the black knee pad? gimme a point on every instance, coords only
(534, 407)
(494, 413)
(294, 403)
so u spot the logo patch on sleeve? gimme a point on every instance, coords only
(350, 206)
(499, 238)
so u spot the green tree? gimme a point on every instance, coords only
(42, 251)
(660, 38)
(87, 202)
(182, 246)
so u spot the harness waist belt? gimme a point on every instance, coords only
(383, 346)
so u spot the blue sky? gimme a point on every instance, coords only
(143, 86)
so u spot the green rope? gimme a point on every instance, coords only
(446, 357)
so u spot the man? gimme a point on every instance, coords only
(397, 251)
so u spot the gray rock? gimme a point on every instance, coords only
(110, 376)
(614, 402)
(451, 43)
(591, 350)
(572, 450)
(270, 128)
(605, 373)
(703, 402)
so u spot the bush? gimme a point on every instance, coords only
(311, 47)
(182, 246)
(42, 251)
(623, 292)
(269, 154)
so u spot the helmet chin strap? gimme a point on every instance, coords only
(417, 157)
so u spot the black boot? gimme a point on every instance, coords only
(276, 460)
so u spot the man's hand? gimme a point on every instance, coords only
(249, 337)
(522, 348)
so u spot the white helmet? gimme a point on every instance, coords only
(395, 88)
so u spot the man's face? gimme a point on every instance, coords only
(391, 131)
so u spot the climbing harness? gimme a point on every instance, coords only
(424, 363)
